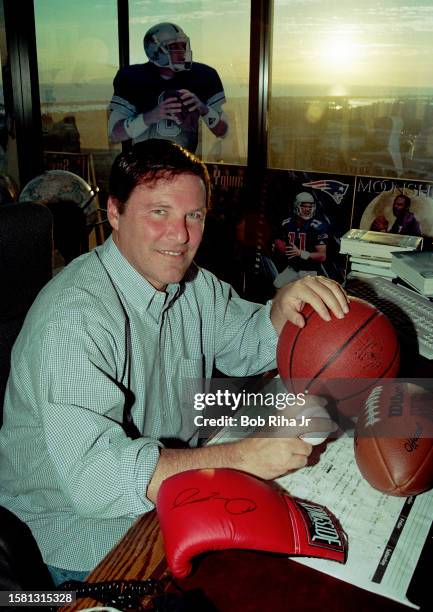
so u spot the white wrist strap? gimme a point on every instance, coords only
(135, 126)
(304, 255)
(211, 118)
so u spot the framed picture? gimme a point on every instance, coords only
(305, 214)
(396, 206)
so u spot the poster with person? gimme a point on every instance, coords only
(305, 213)
(395, 206)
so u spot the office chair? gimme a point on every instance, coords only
(25, 267)
(73, 204)
(70, 231)
(21, 563)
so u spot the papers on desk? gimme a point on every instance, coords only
(386, 534)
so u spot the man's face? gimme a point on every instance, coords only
(399, 206)
(161, 227)
(305, 210)
(177, 52)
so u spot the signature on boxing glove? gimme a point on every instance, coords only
(232, 505)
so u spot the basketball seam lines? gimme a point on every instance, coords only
(295, 341)
(332, 358)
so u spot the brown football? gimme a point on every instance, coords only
(394, 439)
(174, 93)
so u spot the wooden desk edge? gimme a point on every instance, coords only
(137, 556)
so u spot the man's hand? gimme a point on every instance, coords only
(314, 423)
(271, 457)
(322, 293)
(292, 251)
(215, 120)
(168, 109)
(276, 450)
(192, 102)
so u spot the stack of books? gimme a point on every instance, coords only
(370, 253)
(416, 269)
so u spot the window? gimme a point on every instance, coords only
(219, 35)
(77, 47)
(9, 176)
(352, 87)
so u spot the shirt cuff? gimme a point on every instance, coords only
(267, 334)
(267, 337)
(146, 465)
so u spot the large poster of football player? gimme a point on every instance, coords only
(395, 206)
(307, 213)
(167, 96)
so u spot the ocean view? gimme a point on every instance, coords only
(70, 97)
(310, 128)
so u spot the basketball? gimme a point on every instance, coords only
(394, 439)
(340, 359)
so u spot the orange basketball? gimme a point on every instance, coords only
(342, 358)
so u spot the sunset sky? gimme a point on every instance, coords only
(386, 43)
(338, 44)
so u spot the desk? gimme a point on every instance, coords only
(238, 581)
(138, 555)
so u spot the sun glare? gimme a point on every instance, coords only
(338, 53)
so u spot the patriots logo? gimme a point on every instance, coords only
(335, 189)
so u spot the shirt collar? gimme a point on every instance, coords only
(134, 287)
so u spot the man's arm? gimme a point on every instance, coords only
(263, 457)
(217, 121)
(414, 228)
(266, 457)
(213, 116)
(125, 123)
(102, 472)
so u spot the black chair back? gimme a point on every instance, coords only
(21, 565)
(25, 267)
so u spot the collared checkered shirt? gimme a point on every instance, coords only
(67, 468)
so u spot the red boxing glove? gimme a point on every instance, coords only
(218, 509)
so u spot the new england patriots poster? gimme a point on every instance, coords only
(305, 214)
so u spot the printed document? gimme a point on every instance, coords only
(386, 533)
